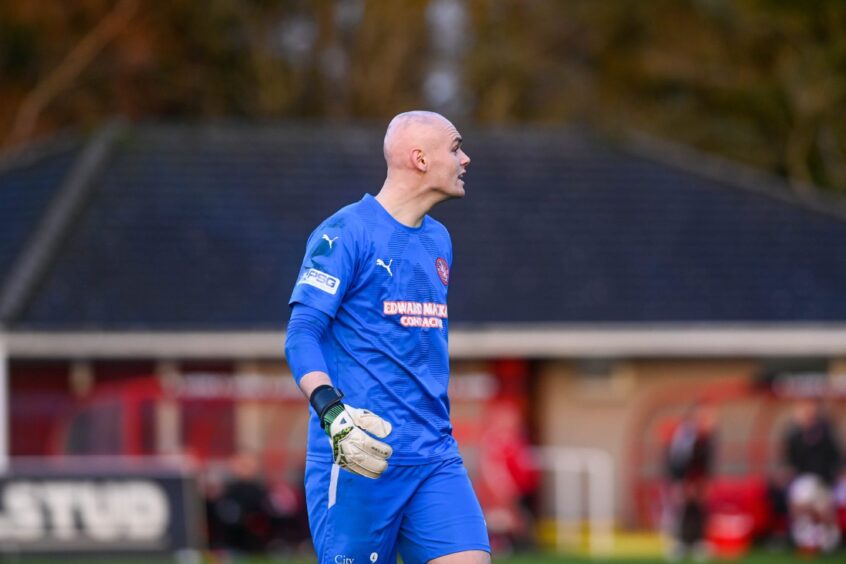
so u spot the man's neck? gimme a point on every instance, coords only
(407, 206)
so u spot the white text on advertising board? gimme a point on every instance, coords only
(73, 511)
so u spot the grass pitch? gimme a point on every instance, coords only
(755, 557)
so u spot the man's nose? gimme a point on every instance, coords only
(466, 160)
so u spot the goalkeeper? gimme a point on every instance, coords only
(367, 344)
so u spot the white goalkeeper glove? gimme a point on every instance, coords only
(352, 447)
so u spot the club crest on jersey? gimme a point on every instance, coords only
(443, 270)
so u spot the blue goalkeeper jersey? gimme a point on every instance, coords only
(384, 285)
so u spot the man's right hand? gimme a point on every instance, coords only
(352, 447)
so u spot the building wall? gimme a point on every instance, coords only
(619, 407)
(582, 406)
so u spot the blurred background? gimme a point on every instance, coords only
(648, 330)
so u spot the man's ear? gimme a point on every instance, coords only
(419, 160)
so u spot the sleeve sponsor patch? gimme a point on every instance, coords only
(320, 280)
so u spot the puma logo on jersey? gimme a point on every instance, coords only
(328, 240)
(380, 262)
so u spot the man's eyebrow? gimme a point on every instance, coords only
(457, 141)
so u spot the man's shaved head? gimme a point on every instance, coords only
(409, 131)
(426, 163)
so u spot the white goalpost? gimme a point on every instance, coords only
(583, 493)
(4, 405)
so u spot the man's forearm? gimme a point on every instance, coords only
(302, 348)
(312, 380)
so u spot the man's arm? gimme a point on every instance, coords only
(789, 449)
(352, 448)
(302, 347)
(312, 380)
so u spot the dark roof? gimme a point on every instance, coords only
(29, 181)
(204, 227)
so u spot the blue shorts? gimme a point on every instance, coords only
(422, 512)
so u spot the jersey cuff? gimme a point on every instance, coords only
(321, 307)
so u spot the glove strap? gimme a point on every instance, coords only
(331, 414)
(323, 399)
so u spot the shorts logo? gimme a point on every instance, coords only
(320, 280)
(374, 556)
(443, 270)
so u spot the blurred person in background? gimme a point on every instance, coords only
(689, 462)
(508, 479)
(813, 458)
(243, 509)
(289, 518)
(777, 507)
(212, 486)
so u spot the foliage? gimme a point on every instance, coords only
(761, 81)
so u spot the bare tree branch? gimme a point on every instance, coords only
(68, 70)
